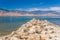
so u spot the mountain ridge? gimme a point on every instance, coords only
(5, 12)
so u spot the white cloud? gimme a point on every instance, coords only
(55, 8)
(43, 9)
(41, 3)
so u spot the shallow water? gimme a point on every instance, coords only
(9, 24)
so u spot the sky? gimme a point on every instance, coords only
(30, 4)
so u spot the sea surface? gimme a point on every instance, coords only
(9, 24)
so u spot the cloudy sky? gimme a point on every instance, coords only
(31, 5)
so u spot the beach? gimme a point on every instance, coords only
(35, 29)
(9, 24)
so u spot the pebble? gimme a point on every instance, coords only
(34, 30)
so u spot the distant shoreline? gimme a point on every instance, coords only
(34, 16)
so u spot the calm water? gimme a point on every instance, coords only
(9, 24)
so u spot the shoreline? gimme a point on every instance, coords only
(35, 29)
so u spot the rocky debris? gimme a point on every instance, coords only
(35, 30)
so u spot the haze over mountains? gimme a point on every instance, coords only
(5, 12)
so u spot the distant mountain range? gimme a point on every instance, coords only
(5, 12)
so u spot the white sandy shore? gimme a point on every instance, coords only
(35, 30)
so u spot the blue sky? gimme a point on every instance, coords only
(26, 4)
